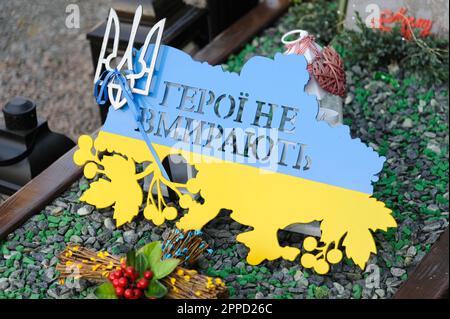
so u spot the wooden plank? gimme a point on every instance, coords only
(42, 189)
(429, 280)
(239, 33)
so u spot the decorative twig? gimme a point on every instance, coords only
(77, 262)
(187, 246)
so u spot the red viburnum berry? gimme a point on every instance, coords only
(118, 274)
(129, 271)
(123, 282)
(111, 277)
(128, 294)
(116, 283)
(119, 291)
(142, 283)
(137, 293)
(148, 274)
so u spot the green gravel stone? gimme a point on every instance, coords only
(19, 248)
(357, 291)
(69, 233)
(53, 219)
(5, 250)
(310, 291)
(241, 281)
(115, 251)
(274, 282)
(9, 271)
(29, 235)
(141, 242)
(263, 269)
(28, 260)
(9, 263)
(17, 256)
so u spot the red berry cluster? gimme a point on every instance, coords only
(127, 283)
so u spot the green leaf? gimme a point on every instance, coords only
(141, 264)
(155, 255)
(155, 289)
(131, 258)
(146, 250)
(165, 267)
(105, 291)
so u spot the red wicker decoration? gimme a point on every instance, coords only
(307, 43)
(328, 69)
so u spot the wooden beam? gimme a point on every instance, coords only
(243, 30)
(429, 280)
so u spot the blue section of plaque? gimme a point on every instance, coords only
(329, 154)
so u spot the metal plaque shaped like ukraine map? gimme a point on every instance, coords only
(256, 145)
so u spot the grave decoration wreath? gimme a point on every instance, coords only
(153, 271)
(256, 144)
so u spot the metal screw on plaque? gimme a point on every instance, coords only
(27, 146)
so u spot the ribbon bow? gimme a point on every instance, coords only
(101, 96)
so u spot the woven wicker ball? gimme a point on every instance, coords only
(328, 70)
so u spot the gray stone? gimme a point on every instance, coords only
(380, 292)
(407, 123)
(349, 99)
(259, 295)
(49, 275)
(242, 251)
(411, 252)
(340, 289)
(130, 237)
(434, 147)
(223, 234)
(55, 210)
(90, 241)
(240, 265)
(392, 282)
(62, 230)
(19, 284)
(109, 224)
(31, 278)
(76, 239)
(4, 283)
(278, 276)
(432, 227)
(52, 293)
(85, 210)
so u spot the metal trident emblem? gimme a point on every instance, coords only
(114, 90)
